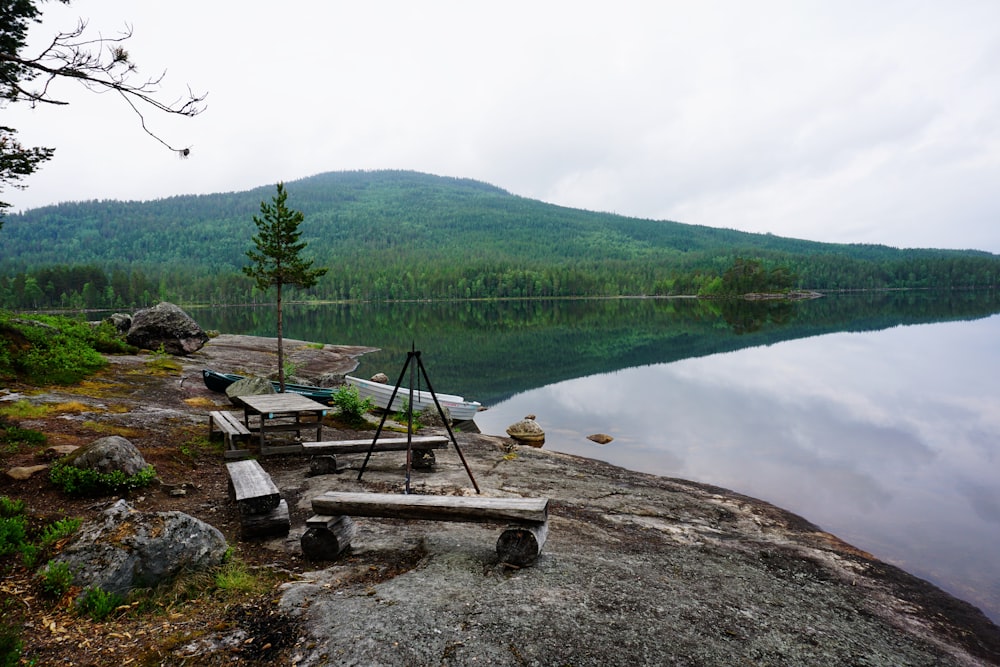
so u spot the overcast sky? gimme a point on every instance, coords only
(842, 121)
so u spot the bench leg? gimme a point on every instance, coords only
(520, 545)
(322, 464)
(328, 542)
(422, 459)
(273, 523)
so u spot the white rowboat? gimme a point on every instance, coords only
(460, 409)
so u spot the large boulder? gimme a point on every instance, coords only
(249, 386)
(166, 325)
(122, 322)
(127, 549)
(106, 455)
(430, 416)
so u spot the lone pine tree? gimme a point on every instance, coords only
(277, 259)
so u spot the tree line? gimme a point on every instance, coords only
(395, 235)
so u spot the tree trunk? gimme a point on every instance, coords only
(281, 348)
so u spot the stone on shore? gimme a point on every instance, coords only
(168, 327)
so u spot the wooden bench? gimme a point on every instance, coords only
(232, 428)
(330, 531)
(262, 509)
(421, 446)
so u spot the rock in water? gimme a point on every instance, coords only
(128, 549)
(527, 432)
(166, 325)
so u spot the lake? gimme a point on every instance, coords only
(874, 416)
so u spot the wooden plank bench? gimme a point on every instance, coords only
(232, 428)
(519, 544)
(262, 509)
(421, 446)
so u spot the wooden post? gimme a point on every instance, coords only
(326, 537)
(322, 464)
(273, 523)
(422, 459)
(520, 544)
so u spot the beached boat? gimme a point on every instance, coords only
(460, 409)
(217, 381)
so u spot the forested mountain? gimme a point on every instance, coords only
(406, 235)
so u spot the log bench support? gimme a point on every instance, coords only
(263, 512)
(232, 428)
(421, 451)
(330, 532)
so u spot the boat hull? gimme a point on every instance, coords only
(460, 409)
(217, 381)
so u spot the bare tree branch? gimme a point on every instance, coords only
(102, 65)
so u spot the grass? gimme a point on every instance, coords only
(23, 409)
(110, 429)
(198, 445)
(235, 577)
(162, 363)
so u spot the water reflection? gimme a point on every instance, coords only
(837, 409)
(887, 439)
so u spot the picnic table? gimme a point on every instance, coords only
(273, 413)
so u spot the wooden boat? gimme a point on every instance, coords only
(217, 381)
(460, 409)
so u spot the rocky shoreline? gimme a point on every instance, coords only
(637, 569)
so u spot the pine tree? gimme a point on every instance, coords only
(277, 260)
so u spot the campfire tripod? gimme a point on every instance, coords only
(418, 366)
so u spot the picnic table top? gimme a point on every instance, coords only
(281, 403)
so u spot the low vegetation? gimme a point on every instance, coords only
(27, 551)
(88, 482)
(48, 349)
(351, 408)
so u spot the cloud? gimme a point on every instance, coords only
(842, 122)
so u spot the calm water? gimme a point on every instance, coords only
(876, 418)
(887, 439)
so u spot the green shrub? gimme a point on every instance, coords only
(13, 526)
(31, 554)
(86, 482)
(54, 349)
(13, 533)
(13, 436)
(58, 531)
(11, 507)
(56, 578)
(98, 603)
(14, 537)
(350, 405)
(10, 646)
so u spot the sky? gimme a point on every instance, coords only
(849, 121)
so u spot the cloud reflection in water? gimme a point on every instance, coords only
(887, 439)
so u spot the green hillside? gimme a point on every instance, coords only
(406, 235)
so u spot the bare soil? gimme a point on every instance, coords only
(637, 569)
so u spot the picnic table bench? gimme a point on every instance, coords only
(232, 429)
(330, 530)
(262, 509)
(421, 446)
